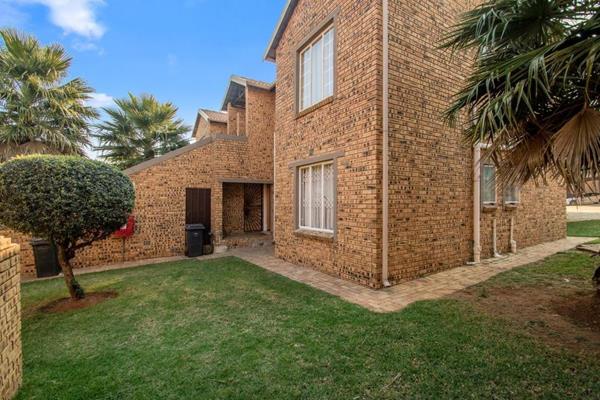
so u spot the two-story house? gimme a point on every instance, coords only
(370, 183)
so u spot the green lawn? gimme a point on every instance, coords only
(584, 228)
(225, 329)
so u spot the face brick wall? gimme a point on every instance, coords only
(11, 361)
(431, 173)
(351, 124)
(206, 128)
(233, 208)
(236, 124)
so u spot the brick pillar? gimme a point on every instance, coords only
(11, 361)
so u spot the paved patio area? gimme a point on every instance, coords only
(397, 297)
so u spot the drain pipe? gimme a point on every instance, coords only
(513, 242)
(386, 144)
(495, 239)
(476, 204)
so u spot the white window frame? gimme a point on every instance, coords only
(483, 186)
(308, 217)
(517, 190)
(302, 73)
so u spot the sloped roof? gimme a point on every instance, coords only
(213, 116)
(236, 90)
(286, 15)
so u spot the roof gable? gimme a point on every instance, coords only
(286, 15)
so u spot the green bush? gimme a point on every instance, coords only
(71, 201)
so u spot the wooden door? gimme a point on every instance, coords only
(197, 207)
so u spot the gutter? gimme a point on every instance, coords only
(386, 145)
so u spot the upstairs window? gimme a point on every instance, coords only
(316, 70)
(316, 197)
(488, 184)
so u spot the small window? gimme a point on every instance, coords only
(512, 194)
(316, 70)
(488, 178)
(316, 208)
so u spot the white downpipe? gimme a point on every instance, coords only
(386, 126)
(495, 239)
(513, 242)
(476, 204)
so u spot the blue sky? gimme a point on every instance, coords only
(181, 51)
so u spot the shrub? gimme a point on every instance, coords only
(69, 200)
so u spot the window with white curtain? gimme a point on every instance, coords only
(316, 70)
(316, 206)
(488, 187)
(512, 194)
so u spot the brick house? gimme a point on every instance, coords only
(348, 165)
(227, 172)
(370, 184)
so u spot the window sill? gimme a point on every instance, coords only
(489, 208)
(511, 206)
(314, 107)
(307, 233)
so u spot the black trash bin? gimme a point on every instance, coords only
(194, 240)
(46, 260)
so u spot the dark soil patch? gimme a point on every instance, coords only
(68, 304)
(559, 317)
(583, 311)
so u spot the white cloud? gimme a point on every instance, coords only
(99, 100)
(74, 16)
(87, 45)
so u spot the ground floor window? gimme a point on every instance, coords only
(316, 197)
(511, 194)
(488, 187)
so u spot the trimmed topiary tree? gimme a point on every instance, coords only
(69, 200)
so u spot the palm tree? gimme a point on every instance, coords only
(534, 91)
(139, 129)
(39, 113)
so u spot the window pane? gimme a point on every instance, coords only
(317, 71)
(328, 64)
(489, 184)
(306, 79)
(511, 194)
(303, 211)
(328, 206)
(316, 196)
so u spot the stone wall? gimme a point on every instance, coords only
(11, 361)
(348, 124)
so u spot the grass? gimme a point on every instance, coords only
(584, 228)
(227, 329)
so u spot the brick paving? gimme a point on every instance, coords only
(398, 297)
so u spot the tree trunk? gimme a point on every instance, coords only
(75, 291)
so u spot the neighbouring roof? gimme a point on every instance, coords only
(286, 15)
(236, 90)
(213, 116)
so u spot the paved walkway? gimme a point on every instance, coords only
(397, 297)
